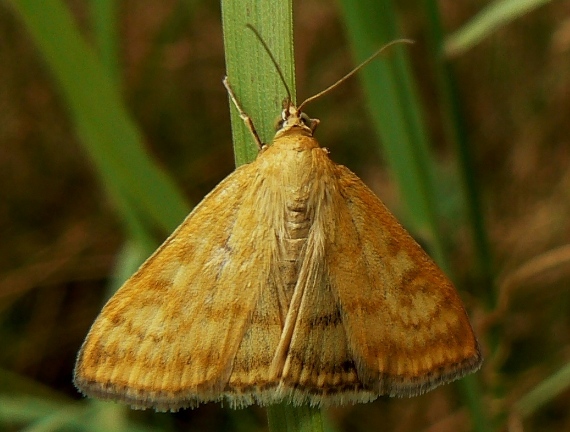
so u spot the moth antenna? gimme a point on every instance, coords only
(353, 71)
(264, 44)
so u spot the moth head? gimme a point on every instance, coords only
(292, 118)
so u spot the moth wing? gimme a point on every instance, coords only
(405, 324)
(167, 339)
(377, 316)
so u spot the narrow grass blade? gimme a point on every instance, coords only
(144, 193)
(454, 126)
(544, 392)
(286, 418)
(41, 414)
(251, 73)
(497, 14)
(104, 14)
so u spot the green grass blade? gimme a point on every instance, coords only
(143, 192)
(472, 395)
(286, 418)
(104, 14)
(251, 73)
(497, 14)
(456, 134)
(544, 392)
(43, 414)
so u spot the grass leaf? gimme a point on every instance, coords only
(495, 15)
(144, 193)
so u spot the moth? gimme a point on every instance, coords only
(290, 281)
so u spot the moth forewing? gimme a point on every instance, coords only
(171, 332)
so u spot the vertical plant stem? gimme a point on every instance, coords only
(287, 418)
(251, 73)
(455, 129)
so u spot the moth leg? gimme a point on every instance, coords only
(246, 119)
